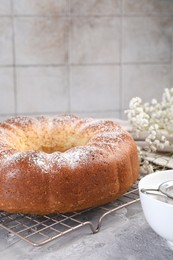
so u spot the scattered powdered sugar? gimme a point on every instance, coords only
(20, 120)
(110, 135)
(103, 131)
(78, 155)
(5, 133)
(74, 156)
(99, 126)
(91, 123)
(39, 159)
(13, 159)
(170, 244)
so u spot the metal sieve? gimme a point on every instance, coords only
(165, 188)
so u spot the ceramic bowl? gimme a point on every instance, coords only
(158, 210)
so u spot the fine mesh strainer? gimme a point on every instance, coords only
(166, 188)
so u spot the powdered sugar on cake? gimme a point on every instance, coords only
(97, 131)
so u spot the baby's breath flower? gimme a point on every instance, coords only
(163, 138)
(146, 168)
(153, 101)
(167, 143)
(156, 143)
(155, 119)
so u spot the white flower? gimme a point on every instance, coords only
(163, 138)
(153, 101)
(155, 119)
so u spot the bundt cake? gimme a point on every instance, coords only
(63, 163)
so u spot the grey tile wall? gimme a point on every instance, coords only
(95, 40)
(94, 88)
(7, 94)
(147, 39)
(5, 7)
(42, 89)
(40, 7)
(6, 43)
(40, 40)
(147, 81)
(147, 7)
(84, 57)
(95, 7)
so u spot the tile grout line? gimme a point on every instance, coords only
(87, 15)
(68, 55)
(14, 61)
(88, 64)
(60, 112)
(121, 51)
(171, 62)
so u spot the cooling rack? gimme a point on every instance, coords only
(38, 230)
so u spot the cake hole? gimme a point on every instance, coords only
(50, 150)
(49, 145)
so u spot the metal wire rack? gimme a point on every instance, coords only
(38, 230)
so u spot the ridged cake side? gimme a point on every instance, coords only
(64, 163)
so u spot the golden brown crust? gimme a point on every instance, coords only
(63, 164)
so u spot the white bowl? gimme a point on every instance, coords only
(159, 214)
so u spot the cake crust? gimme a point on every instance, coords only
(63, 163)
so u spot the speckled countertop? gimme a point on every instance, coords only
(124, 235)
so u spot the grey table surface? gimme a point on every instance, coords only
(124, 235)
